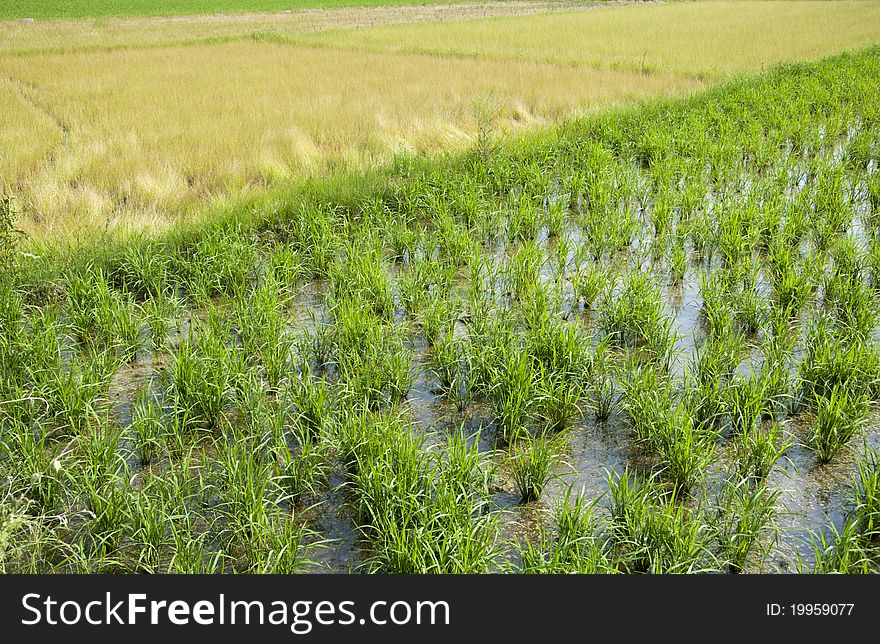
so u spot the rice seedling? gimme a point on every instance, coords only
(758, 449)
(532, 464)
(650, 532)
(838, 418)
(745, 523)
(576, 546)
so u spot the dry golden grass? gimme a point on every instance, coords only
(17, 36)
(707, 39)
(132, 124)
(153, 131)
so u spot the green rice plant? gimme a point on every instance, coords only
(76, 393)
(452, 365)
(300, 470)
(362, 276)
(314, 403)
(532, 465)
(102, 317)
(678, 261)
(148, 427)
(523, 219)
(438, 315)
(589, 283)
(201, 378)
(685, 450)
(145, 270)
(192, 553)
(150, 534)
(651, 532)
(745, 530)
(866, 496)
(758, 449)
(221, 262)
(373, 359)
(513, 391)
(160, 313)
(634, 317)
(840, 551)
(838, 418)
(522, 269)
(281, 547)
(559, 400)
(37, 463)
(576, 547)
(286, 267)
(98, 479)
(417, 516)
(747, 402)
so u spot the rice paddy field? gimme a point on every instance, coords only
(644, 340)
(124, 123)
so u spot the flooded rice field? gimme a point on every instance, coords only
(646, 344)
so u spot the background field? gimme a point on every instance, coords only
(98, 8)
(705, 39)
(136, 123)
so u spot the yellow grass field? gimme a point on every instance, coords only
(135, 123)
(704, 39)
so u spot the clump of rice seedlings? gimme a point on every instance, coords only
(747, 402)
(373, 359)
(532, 465)
(362, 276)
(678, 262)
(866, 496)
(145, 270)
(685, 450)
(513, 391)
(98, 480)
(201, 378)
(853, 548)
(840, 552)
(101, 316)
(36, 477)
(148, 427)
(418, 516)
(745, 530)
(793, 283)
(838, 418)
(576, 546)
(149, 533)
(589, 282)
(523, 219)
(559, 400)
(160, 313)
(603, 396)
(76, 393)
(313, 401)
(758, 449)
(286, 267)
(438, 315)
(302, 469)
(451, 365)
(832, 363)
(634, 317)
(651, 532)
(282, 547)
(523, 268)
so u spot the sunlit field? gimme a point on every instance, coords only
(644, 342)
(705, 39)
(138, 123)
